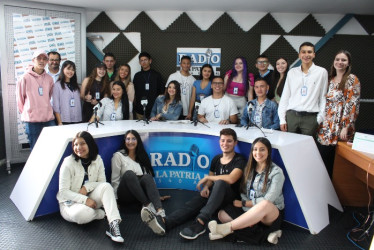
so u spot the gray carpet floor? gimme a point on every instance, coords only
(53, 232)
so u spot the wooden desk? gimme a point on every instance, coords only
(350, 176)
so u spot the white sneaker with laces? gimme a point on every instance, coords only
(114, 233)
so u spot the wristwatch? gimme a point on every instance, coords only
(244, 203)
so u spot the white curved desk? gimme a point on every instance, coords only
(304, 166)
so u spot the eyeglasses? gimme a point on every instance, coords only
(217, 82)
(262, 62)
(133, 139)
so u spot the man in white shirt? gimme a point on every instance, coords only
(53, 69)
(186, 81)
(218, 107)
(301, 108)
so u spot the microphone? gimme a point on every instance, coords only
(197, 105)
(144, 101)
(97, 106)
(250, 109)
(250, 123)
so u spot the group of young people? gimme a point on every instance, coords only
(246, 196)
(304, 99)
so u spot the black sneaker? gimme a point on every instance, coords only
(153, 221)
(193, 231)
(114, 233)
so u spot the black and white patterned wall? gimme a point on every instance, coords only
(245, 34)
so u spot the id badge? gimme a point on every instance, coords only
(147, 86)
(97, 95)
(216, 113)
(235, 91)
(257, 118)
(251, 194)
(72, 102)
(304, 91)
(113, 117)
(184, 90)
(40, 89)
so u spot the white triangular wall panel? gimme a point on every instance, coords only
(353, 27)
(107, 39)
(91, 15)
(296, 41)
(163, 19)
(328, 21)
(288, 21)
(122, 18)
(246, 20)
(134, 65)
(204, 19)
(135, 39)
(267, 41)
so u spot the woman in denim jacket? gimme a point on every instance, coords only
(168, 106)
(259, 214)
(261, 111)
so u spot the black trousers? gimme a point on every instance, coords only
(133, 188)
(221, 194)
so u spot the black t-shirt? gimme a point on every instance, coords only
(238, 161)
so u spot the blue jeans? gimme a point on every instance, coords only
(33, 130)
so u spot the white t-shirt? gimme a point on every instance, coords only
(216, 110)
(186, 83)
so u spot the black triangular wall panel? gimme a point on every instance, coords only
(142, 23)
(308, 27)
(281, 48)
(163, 46)
(122, 48)
(91, 61)
(102, 23)
(183, 24)
(225, 24)
(267, 25)
(367, 22)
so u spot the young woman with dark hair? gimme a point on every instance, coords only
(124, 75)
(168, 106)
(66, 96)
(259, 214)
(83, 189)
(239, 84)
(94, 88)
(280, 75)
(201, 88)
(116, 107)
(342, 107)
(132, 181)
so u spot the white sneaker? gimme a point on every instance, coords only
(215, 236)
(153, 221)
(273, 236)
(114, 233)
(100, 214)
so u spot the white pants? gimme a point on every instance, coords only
(103, 195)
